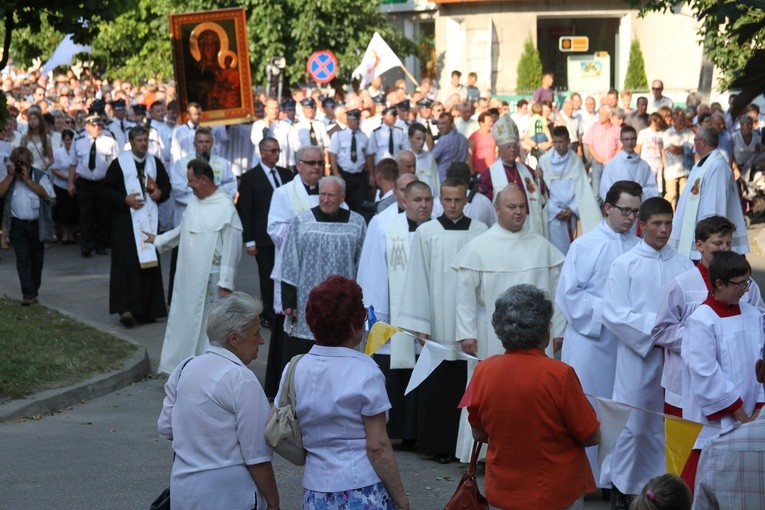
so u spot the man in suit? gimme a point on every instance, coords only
(255, 191)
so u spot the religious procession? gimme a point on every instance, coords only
(553, 290)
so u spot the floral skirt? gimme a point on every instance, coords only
(371, 497)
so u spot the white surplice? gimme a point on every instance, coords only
(710, 191)
(587, 346)
(210, 244)
(569, 188)
(635, 284)
(682, 297)
(486, 267)
(430, 288)
(719, 354)
(628, 167)
(480, 208)
(288, 201)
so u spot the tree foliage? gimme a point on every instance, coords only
(636, 78)
(529, 68)
(135, 44)
(721, 23)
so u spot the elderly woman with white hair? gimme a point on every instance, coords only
(532, 412)
(215, 412)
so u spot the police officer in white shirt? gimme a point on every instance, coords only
(309, 131)
(349, 158)
(388, 139)
(120, 124)
(90, 157)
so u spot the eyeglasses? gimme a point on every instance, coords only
(316, 162)
(626, 211)
(742, 285)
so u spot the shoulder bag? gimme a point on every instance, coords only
(282, 431)
(467, 496)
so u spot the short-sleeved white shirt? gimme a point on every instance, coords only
(340, 145)
(215, 412)
(335, 387)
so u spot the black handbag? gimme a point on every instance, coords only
(162, 502)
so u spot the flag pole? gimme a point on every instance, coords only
(409, 75)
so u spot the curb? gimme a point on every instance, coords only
(133, 369)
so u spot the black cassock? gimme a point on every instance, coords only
(132, 289)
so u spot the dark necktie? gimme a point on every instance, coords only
(92, 158)
(312, 133)
(353, 146)
(265, 132)
(273, 176)
(390, 142)
(122, 125)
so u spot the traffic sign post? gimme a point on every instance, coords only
(322, 66)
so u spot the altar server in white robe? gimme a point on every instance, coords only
(427, 308)
(209, 240)
(289, 200)
(683, 296)
(587, 346)
(382, 273)
(505, 255)
(571, 196)
(631, 301)
(628, 166)
(506, 170)
(723, 337)
(710, 190)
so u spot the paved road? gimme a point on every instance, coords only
(105, 453)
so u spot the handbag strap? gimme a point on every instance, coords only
(474, 457)
(288, 391)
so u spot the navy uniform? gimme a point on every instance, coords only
(386, 141)
(348, 151)
(89, 160)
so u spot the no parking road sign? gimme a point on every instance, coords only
(322, 66)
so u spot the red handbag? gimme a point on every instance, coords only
(467, 496)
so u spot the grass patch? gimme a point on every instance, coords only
(42, 349)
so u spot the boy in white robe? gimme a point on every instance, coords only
(683, 296)
(723, 338)
(630, 303)
(587, 346)
(571, 197)
(627, 166)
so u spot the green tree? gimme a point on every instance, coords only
(529, 69)
(636, 78)
(721, 24)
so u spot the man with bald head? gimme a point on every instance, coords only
(382, 275)
(507, 254)
(407, 162)
(325, 240)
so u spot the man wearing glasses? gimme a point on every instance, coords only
(659, 100)
(628, 166)
(587, 346)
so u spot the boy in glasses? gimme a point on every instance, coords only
(723, 337)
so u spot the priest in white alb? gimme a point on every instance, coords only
(505, 255)
(427, 309)
(209, 239)
(631, 301)
(507, 170)
(382, 276)
(571, 198)
(710, 191)
(589, 347)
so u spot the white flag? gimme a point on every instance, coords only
(431, 356)
(377, 59)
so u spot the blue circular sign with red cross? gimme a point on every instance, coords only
(322, 66)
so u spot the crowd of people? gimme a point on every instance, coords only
(583, 230)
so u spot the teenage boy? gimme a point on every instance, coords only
(723, 337)
(685, 293)
(629, 310)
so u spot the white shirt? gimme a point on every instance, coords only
(340, 145)
(300, 134)
(25, 203)
(106, 152)
(335, 387)
(215, 413)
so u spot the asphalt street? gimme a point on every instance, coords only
(105, 453)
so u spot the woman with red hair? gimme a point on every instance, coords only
(342, 406)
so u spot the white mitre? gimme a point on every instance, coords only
(505, 131)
